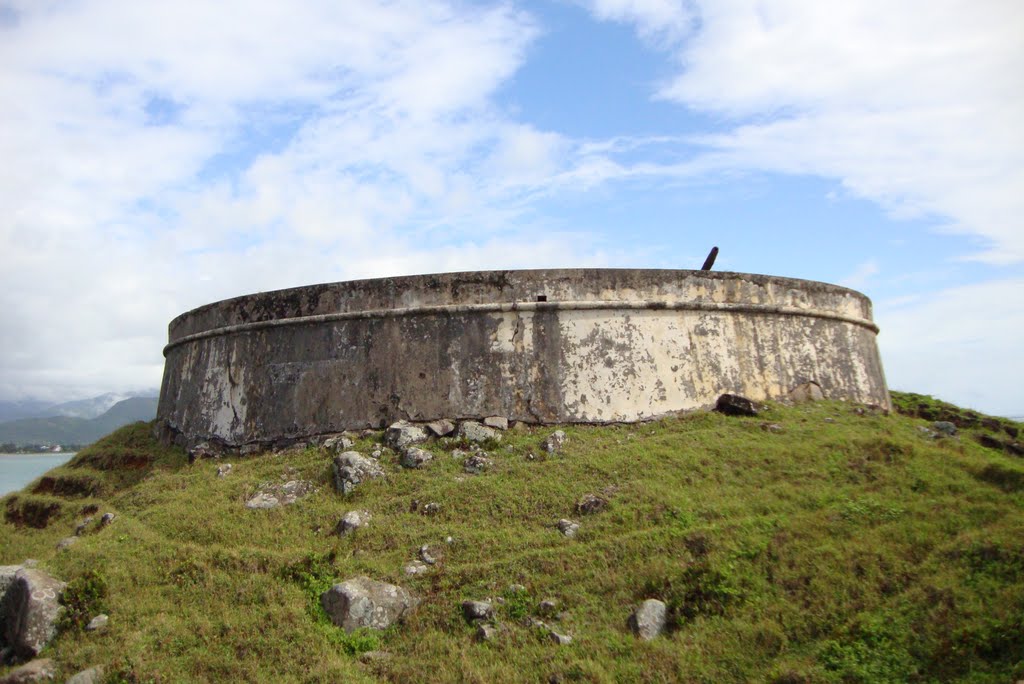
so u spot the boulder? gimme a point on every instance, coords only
(337, 443)
(363, 602)
(352, 521)
(648, 620)
(106, 519)
(441, 428)
(350, 469)
(403, 434)
(280, 494)
(944, 427)
(40, 670)
(93, 675)
(735, 405)
(477, 610)
(496, 422)
(31, 608)
(472, 431)
(414, 457)
(568, 527)
(806, 391)
(554, 442)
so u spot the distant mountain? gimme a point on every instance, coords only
(23, 408)
(93, 407)
(74, 430)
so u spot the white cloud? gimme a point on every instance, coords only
(961, 344)
(915, 105)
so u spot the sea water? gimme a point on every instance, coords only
(17, 470)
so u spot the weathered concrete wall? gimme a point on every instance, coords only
(588, 345)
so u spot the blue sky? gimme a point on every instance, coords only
(161, 155)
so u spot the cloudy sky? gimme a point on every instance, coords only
(158, 155)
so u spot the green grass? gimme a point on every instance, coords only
(849, 547)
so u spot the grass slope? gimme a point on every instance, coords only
(847, 547)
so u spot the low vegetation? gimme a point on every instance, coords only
(818, 543)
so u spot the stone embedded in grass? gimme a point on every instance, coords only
(415, 568)
(39, 670)
(352, 521)
(432, 508)
(547, 608)
(97, 623)
(337, 443)
(774, 428)
(476, 464)
(591, 503)
(363, 602)
(486, 632)
(280, 494)
(223, 470)
(202, 450)
(477, 610)
(735, 405)
(568, 527)
(106, 519)
(31, 606)
(92, 675)
(944, 427)
(441, 428)
(414, 457)
(472, 431)
(648, 620)
(351, 469)
(403, 433)
(66, 543)
(807, 391)
(428, 555)
(554, 442)
(81, 527)
(560, 639)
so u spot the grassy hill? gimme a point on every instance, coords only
(72, 430)
(817, 543)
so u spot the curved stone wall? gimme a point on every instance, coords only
(545, 346)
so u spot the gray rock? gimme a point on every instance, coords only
(415, 568)
(31, 608)
(476, 464)
(97, 623)
(66, 543)
(82, 526)
(774, 428)
(250, 449)
(93, 675)
(486, 632)
(432, 508)
(337, 443)
(40, 670)
(591, 503)
(472, 431)
(547, 608)
(223, 470)
(944, 427)
(568, 527)
(351, 469)
(560, 639)
(496, 422)
(648, 620)
(427, 555)
(202, 450)
(106, 519)
(403, 434)
(414, 457)
(280, 494)
(441, 428)
(352, 521)
(807, 391)
(477, 610)
(554, 442)
(735, 405)
(363, 602)
(7, 574)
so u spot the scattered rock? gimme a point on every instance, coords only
(516, 589)
(560, 639)
(554, 442)
(416, 568)
(735, 405)
(93, 675)
(591, 503)
(280, 494)
(648, 620)
(223, 470)
(432, 508)
(496, 422)
(97, 623)
(66, 543)
(441, 428)
(807, 391)
(944, 427)
(476, 464)
(106, 519)
(363, 602)
(31, 607)
(350, 469)
(486, 632)
(352, 521)
(337, 443)
(568, 527)
(428, 555)
(774, 428)
(830, 420)
(414, 457)
(202, 450)
(40, 670)
(547, 608)
(403, 434)
(477, 610)
(81, 527)
(472, 431)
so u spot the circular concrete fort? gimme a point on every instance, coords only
(540, 346)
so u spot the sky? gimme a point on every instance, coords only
(159, 155)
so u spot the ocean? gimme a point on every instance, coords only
(17, 470)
